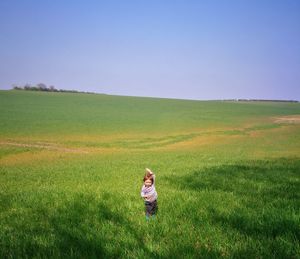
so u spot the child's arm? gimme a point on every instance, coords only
(150, 172)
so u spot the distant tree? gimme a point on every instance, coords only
(33, 88)
(52, 88)
(42, 87)
(16, 87)
(27, 87)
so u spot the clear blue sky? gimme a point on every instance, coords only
(165, 48)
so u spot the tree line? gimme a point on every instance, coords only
(45, 88)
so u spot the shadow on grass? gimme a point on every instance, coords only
(87, 227)
(276, 178)
(83, 226)
(267, 202)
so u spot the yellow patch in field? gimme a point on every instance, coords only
(30, 157)
(294, 119)
(25, 152)
(246, 133)
(198, 141)
(281, 131)
(126, 142)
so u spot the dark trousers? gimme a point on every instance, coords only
(151, 207)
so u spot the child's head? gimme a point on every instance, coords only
(148, 179)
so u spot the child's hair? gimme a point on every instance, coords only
(148, 176)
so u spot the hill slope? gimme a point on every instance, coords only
(71, 168)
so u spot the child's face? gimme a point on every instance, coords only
(148, 183)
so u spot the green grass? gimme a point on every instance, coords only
(228, 178)
(52, 114)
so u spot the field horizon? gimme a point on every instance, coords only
(49, 90)
(71, 168)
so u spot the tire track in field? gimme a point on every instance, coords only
(198, 137)
(45, 146)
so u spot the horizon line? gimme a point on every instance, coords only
(158, 97)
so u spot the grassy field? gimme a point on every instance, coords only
(71, 168)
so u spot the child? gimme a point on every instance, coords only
(149, 194)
